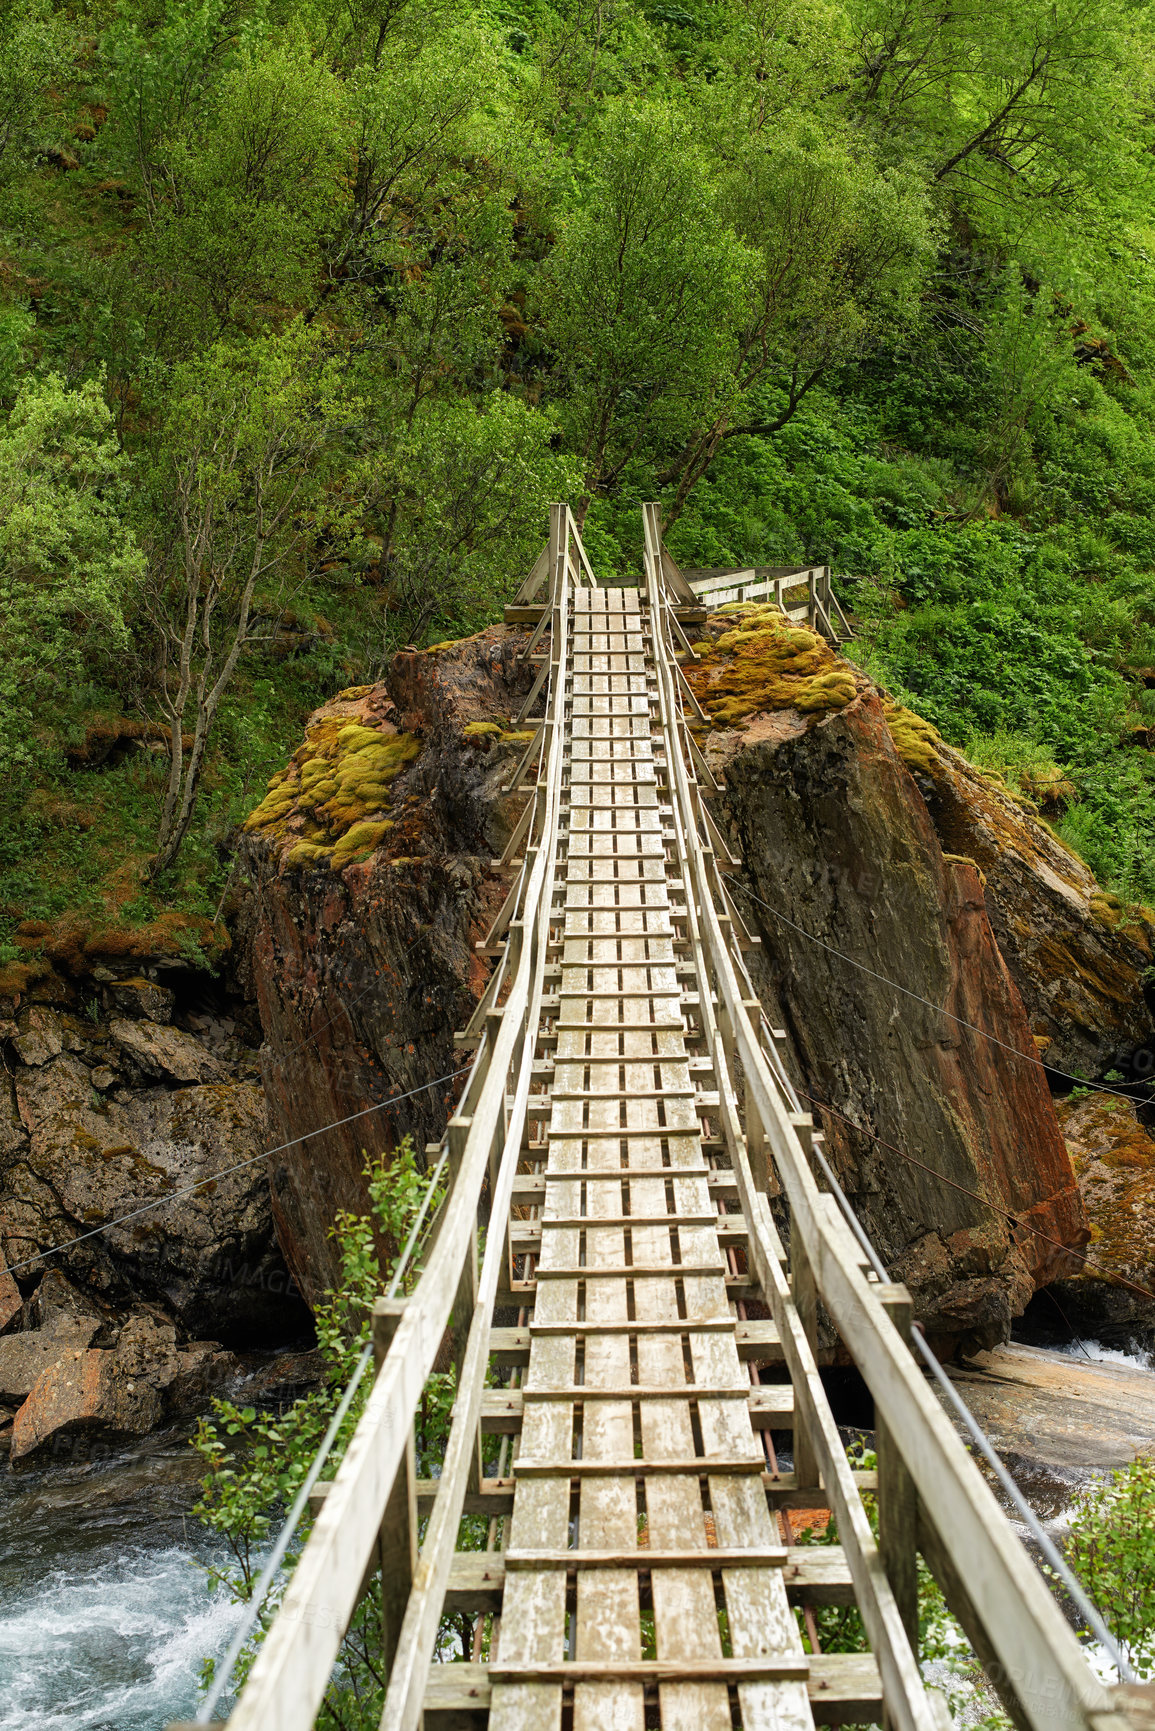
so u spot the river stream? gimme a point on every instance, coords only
(106, 1615)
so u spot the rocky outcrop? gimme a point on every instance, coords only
(369, 881)
(928, 1119)
(1080, 960)
(925, 938)
(364, 966)
(133, 1134)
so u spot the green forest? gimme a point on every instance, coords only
(308, 308)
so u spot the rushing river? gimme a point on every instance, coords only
(105, 1615)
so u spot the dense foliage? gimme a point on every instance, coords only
(1112, 1547)
(257, 1459)
(309, 306)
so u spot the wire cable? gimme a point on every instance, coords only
(267, 1153)
(265, 1580)
(1027, 1057)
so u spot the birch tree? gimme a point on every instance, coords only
(245, 449)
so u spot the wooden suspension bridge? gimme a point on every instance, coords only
(626, 1117)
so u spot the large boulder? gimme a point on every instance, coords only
(87, 1391)
(24, 1358)
(363, 967)
(932, 1097)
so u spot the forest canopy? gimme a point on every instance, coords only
(309, 307)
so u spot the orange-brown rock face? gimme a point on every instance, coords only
(365, 966)
(1079, 961)
(1114, 1158)
(945, 1137)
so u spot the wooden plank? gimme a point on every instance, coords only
(843, 1688)
(608, 1614)
(813, 1574)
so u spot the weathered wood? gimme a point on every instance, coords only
(898, 1498)
(843, 1688)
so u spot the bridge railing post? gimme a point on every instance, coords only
(397, 1541)
(805, 1295)
(897, 1496)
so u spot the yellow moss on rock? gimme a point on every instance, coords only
(481, 729)
(358, 842)
(770, 665)
(336, 780)
(914, 739)
(307, 853)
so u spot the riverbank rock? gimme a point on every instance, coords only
(364, 963)
(1058, 1418)
(1114, 1159)
(133, 1148)
(86, 1391)
(79, 1375)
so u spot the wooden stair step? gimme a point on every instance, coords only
(843, 1688)
(814, 1575)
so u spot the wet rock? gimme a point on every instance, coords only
(835, 837)
(142, 1000)
(165, 1052)
(203, 1369)
(86, 1392)
(1056, 1417)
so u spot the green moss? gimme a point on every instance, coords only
(337, 780)
(481, 729)
(914, 739)
(307, 853)
(358, 843)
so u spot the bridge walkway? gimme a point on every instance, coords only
(636, 1445)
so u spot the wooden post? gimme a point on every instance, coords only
(398, 1540)
(897, 1497)
(805, 1295)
